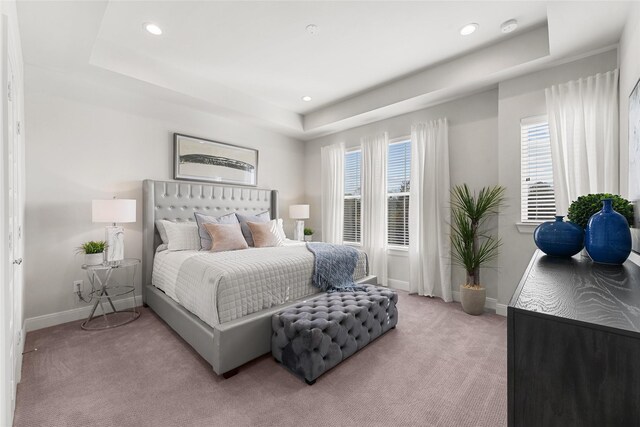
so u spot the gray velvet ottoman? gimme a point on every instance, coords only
(314, 336)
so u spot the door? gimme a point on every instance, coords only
(13, 208)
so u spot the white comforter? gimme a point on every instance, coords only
(223, 286)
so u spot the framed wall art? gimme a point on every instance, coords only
(634, 161)
(199, 159)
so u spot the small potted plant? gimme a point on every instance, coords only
(93, 252)
(586, 206)
(308, 234)
(472, 246)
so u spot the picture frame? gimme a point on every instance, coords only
(200, 159)
(634, 161)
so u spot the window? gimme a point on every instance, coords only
(537, 198)
(398, 176)
(352, 195)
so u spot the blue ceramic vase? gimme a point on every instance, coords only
(558, 238)
(607, 236)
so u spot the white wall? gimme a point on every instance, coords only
(473, 146)
(629, 63)
(85, 142)
(519, 98)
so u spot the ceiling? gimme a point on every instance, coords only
(256, 60)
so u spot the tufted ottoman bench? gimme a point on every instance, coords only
(315, 335)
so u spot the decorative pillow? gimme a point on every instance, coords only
(265, 234)
(246, 232)
(202, 219)
(181, 236)
(162, 232)
(280, 229)
(226, 237)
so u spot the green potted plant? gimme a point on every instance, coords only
(93, 252)
(472, 246)
(586, 206)
(308, 234)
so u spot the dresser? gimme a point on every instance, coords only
(574, 344)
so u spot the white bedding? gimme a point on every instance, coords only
(223, 286)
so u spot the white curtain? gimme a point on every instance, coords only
(430, 211)
(374, 203)
(332, 183)
(583, 124)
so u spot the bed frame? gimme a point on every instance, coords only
(225, 346)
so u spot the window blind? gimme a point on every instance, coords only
(398, 182)
(537, 197)
(352, 196)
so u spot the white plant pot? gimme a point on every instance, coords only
(94, 259)
(308, 238)
(473, 300)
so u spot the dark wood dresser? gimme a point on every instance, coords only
(574, 344)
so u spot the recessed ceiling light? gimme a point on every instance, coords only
(312, 29)
(509, 26)
(306, 98)
(152, 29)
(468, 29)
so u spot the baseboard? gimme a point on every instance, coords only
(398, 284)
(501, 309)
(44, 321)
(491, 303)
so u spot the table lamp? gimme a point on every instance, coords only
(114, 211)
(299, 212)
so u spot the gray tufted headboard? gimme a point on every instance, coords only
(177, 201)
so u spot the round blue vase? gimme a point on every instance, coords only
(607, 236)
(559, 238)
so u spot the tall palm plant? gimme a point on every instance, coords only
(472, 245)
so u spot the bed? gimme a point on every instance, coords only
(222, 303)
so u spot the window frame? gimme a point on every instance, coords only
(396, 247)
(358, 197)
(525, 206)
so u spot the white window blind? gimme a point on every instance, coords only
(352, 195)
(537, 197)
(398, 176)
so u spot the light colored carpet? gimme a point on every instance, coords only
(439, 367)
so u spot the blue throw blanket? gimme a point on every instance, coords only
(334, 267)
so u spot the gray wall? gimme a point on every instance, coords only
(519, 98)
(473, 146)
(88, 142)
(484, 150)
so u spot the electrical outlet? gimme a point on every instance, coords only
(78, 286)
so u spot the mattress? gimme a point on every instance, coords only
(224, 286)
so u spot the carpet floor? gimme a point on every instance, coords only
(439, 367)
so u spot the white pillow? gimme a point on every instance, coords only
(181, 236)
(280, 229)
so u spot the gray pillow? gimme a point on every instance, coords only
(246, 231)
(202, 219)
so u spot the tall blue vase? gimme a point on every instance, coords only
(607, 236)
(558, 238)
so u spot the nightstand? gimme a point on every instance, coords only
(105, 289)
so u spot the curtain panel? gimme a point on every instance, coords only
(332, 183)
(430, 211)
(374, 203)
(583, 125)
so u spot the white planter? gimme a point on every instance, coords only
(94, 259)
(308, 238)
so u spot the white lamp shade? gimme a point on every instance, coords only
(114, 210)
(299, 211)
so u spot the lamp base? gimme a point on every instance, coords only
(114, 236)
(298, 232)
